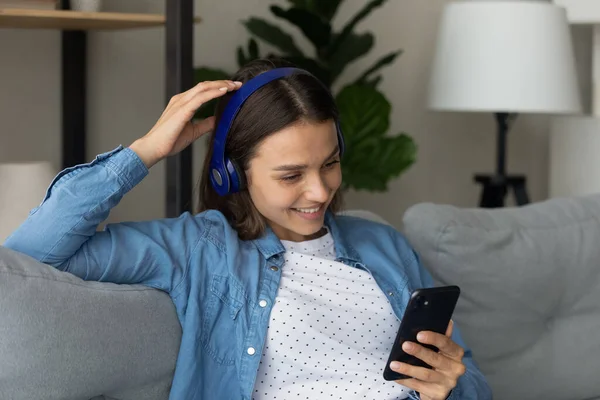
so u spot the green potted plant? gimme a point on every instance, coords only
(373, 158)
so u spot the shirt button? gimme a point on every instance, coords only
(251, 351)
(274, 268)
(262, 303)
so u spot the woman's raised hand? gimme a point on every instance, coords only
(175, 130)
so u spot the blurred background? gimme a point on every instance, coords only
(126, 95)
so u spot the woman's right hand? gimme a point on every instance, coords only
(175, 130)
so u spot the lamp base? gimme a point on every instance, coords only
(496, 187)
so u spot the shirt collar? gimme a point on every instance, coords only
(270, 245)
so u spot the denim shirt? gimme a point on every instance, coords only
(216, 281)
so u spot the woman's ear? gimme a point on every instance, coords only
(246, 176)
(241, 174)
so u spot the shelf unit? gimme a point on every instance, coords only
(574, 140)
(581, 11)
(74, 20)
(587, 13)
(178, 21)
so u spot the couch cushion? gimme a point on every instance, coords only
(530, 279)
(64, 338)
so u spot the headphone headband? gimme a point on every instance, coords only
(223, 174)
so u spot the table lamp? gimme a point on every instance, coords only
(504, 57)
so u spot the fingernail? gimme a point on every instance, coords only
(407, 346)
(238, 83)
(420, 337)
(395, 365)
(223, 89)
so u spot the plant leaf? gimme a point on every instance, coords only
(349, 27)
(364, 113)
(272, 34)
(253, 52)
(325, 9)
(202, 74)
(312, 26)
(373, 82)
(352, 48)
(381, 160)
(371, 159)
(241, 57)
(382, 62)
(300, 3)
(312, 66)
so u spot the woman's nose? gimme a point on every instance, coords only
(317, 190)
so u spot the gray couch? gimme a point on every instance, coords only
(530, 310)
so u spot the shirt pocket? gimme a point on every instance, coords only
(221, 322)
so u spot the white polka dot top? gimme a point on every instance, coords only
(330, 331)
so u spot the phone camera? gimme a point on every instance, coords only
(422, 301)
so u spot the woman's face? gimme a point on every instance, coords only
(293, 178)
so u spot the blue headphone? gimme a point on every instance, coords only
(225, 175)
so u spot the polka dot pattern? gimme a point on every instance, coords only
(330, 331)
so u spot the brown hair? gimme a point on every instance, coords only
(271, 108)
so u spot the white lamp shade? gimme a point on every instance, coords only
(22, 188)
(504, 56)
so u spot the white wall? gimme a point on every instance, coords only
(126, 96)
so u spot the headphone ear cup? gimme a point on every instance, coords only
(237, 176)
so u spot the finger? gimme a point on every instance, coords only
(420, 373)
(210, 85)
(209, 94)
(434, 359)
(200, 98)
(450, 329)
(203, 127)
(430, 390)
(445, 344)
(203, 86)
(184, 97)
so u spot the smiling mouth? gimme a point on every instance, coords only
(312, 210)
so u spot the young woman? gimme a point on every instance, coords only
(278, 296)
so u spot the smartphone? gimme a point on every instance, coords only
(429, 309)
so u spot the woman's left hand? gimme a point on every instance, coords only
(438, 382)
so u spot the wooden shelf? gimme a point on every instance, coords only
(75, 20)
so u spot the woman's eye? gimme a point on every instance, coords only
(331, 163)
(290, 178)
